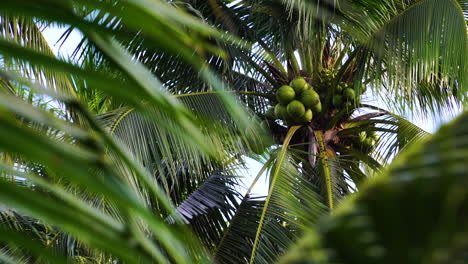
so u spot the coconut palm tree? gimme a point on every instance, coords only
(336, 55)
(339, 52)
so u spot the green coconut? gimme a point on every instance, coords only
(285, 94)
(295, 109)
(317, 108)
(280, 111)
(309, 98)
(298, 84)
(307, 117)
(349, 93)
(368, 142)
(337, 100)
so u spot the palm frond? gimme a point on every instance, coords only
(434, 170)
(42, 234)
(236, 244)
(292, 205)
(178, 166)
(137, 217)
(23, 249)
(416, 49)
(394, 133)
(210, 208)
(26, 32)
(284, 203)
(61, 199)
(406, 133)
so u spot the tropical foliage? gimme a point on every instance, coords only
(413, 213)
(132, 149)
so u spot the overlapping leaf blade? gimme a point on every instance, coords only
(425, 182)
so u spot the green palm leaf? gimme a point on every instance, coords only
(283, 214)
(210, 208)
(409, 43)
(25, 31)
(432, 169)
(86, 158)
(236, 244)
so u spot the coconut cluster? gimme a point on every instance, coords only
(297, 102)
(368, 139)
(326, 78)
(345, 96)
(365, 141)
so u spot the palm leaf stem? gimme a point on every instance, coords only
(342, 55)
(291, 58)
(279, 163)
(326, 166)
(306, 60)
(246, 197)
(345, 67)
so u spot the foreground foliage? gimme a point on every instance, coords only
(131, 150)
(412, 213)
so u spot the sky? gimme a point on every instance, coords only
(53, 34)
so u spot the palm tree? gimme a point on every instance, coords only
(190, 149)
